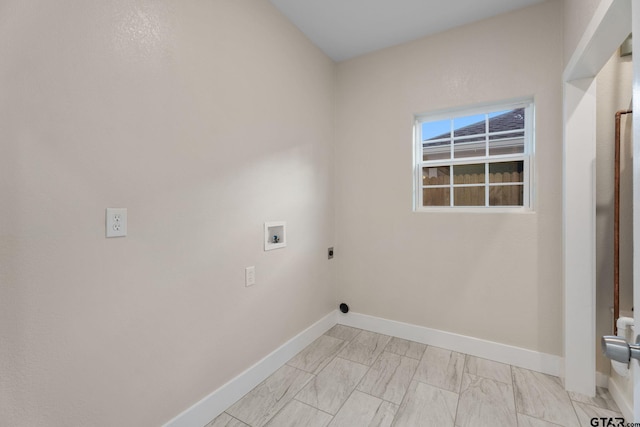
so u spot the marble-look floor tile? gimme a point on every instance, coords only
(317, 354)
(426, 406)
(441, 368)
(363, 410)
(226, 420)
(389, 377)
(270, 396)
(297, 414)
(602, 399)
(485, 403)
(587, 412)
(543, 396)
(488, 369)
(345, 333)
(333, 385)
(412, 349)
(365, 347)
(527, 421)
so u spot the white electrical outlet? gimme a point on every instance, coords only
(116, 222)
(250, 276)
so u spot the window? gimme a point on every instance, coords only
(474, 158)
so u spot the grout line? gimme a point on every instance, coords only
(345, 340)
(312, 376)
(593, 401)
(237, 419)
(344, 403)
(331, 357)
(534, 373)
(539, 419)
(406, 393)
(336, 356)
(464, 367)
(352, 361)
(479, 375)
(376, 360)
(437, 386)
(276, 414)
(404, 401)
(594, 404)
(311, 406)
(513, 390)
(356, 386)
(378, 397)
(573, 406)
(596, 407)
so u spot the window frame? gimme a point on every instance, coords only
(527, 157)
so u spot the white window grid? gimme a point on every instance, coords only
(486, 159)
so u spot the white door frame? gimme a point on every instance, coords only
(610, 25)
(579, 153)
(636, 202)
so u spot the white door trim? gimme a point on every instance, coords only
(609, 26)
(635, 369)
(579, 154)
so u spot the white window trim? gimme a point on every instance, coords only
(527, 157)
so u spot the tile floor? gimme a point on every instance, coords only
(351, 377)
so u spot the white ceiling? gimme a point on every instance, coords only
(347, 28)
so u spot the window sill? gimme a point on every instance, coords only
(476, 210)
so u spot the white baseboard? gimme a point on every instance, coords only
(521, 357)
(626, 406)
(215, 403)
(602, 380)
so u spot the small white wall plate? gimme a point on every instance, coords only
(116, 222)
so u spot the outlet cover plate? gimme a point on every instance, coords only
(116, 222)
(250, 276)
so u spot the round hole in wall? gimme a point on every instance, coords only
(344, 308)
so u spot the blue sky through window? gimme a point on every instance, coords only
(432, 129)
(440, 127)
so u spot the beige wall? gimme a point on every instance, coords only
(204, 119)
(577, 15)
(491, 276)
(614, 89)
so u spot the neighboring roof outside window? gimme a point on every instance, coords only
(511, 120)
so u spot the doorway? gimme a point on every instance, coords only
(611, 25)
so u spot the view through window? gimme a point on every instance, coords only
(475, 158)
